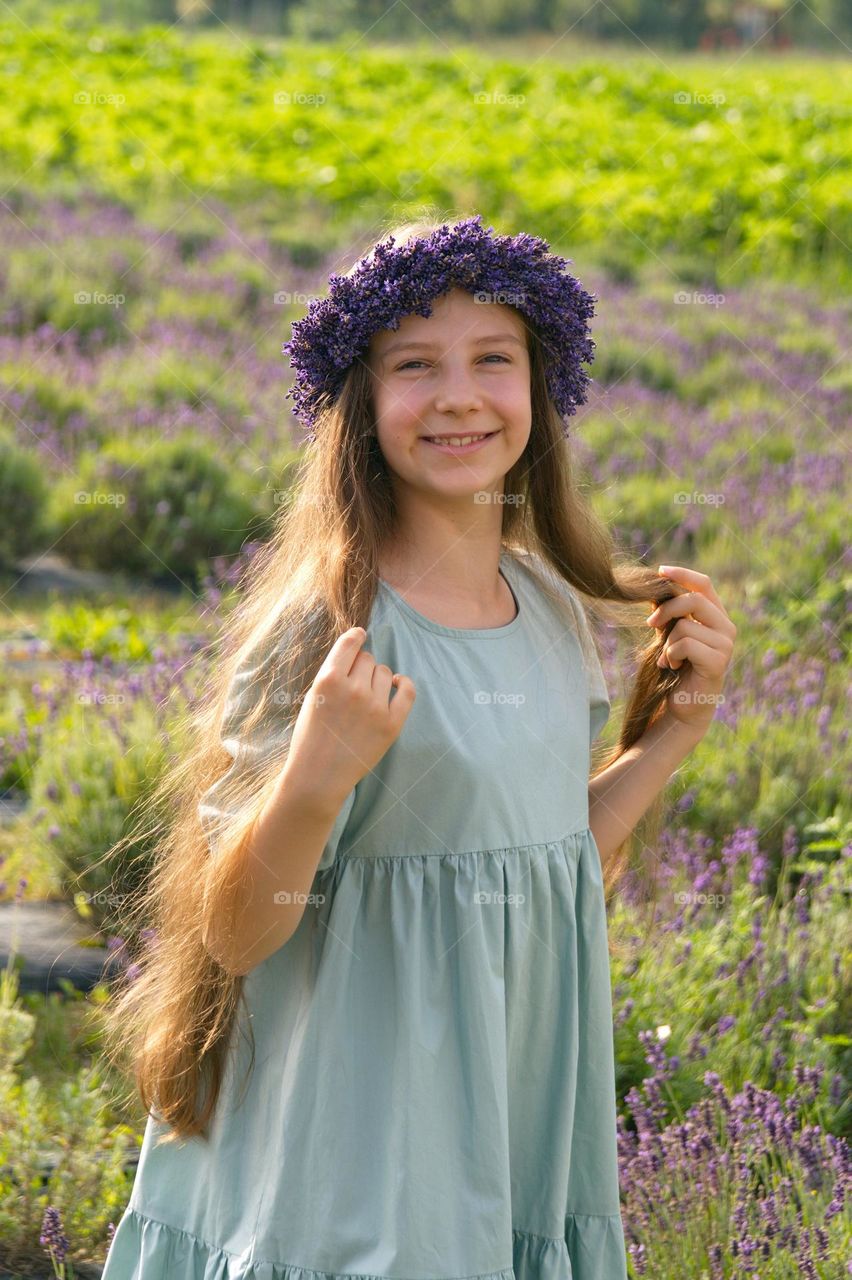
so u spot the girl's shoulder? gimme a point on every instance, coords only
(571, 606)
(544, 579)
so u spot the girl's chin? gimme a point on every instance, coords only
(473, 486)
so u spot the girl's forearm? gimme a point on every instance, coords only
(621, 794)
(279, 861)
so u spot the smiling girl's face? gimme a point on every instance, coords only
(462, 371)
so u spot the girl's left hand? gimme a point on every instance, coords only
(703, 639)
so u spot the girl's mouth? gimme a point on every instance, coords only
(445, 445)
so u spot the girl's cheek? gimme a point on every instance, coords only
(399, 408)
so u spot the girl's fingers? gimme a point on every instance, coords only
(383, 678)
(348, 658)
(401, 702)
(690, 578)
(707, 661)
(699, 606)
(686, 627)
(343, 654)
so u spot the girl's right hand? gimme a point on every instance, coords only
(346, 723)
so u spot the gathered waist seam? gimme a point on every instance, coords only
(343, 856)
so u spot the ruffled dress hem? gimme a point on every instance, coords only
(593, 1249)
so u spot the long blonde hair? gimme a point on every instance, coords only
(315, 577)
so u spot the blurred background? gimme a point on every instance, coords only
(675, 24)
(176, 181)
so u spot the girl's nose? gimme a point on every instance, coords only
(457, 392)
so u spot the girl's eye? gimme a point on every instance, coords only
(492, 356)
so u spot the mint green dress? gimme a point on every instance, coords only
(433, 1092)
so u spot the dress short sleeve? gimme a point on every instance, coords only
(599, 701)
(251, 748)
(599, 704)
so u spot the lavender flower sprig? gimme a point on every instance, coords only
(56, 1243)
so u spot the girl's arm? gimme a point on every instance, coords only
(703, 636)
(621, 794)
(297, 820)
(344, 727)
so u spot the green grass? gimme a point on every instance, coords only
(585, 147)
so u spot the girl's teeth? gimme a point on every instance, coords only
(457, 440)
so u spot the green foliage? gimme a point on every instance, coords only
(646, 504)
(55, 1149)
(23, 500)
(159, 509)
(791, 776)
(788, 999)
(120, 631)
(652, 367)
(17, 712)
(623, 24)
(94, 778)
(87, 291)
(626, 152)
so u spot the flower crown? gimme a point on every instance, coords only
(395, 281)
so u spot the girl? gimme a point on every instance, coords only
(376, 1023)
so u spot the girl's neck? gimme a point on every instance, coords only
(472, 595)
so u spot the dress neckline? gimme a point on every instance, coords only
(465, 633)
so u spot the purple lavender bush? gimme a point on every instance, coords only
(740, 1185)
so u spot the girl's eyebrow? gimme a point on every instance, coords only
(430, 346)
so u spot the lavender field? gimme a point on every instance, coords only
(140, 358)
